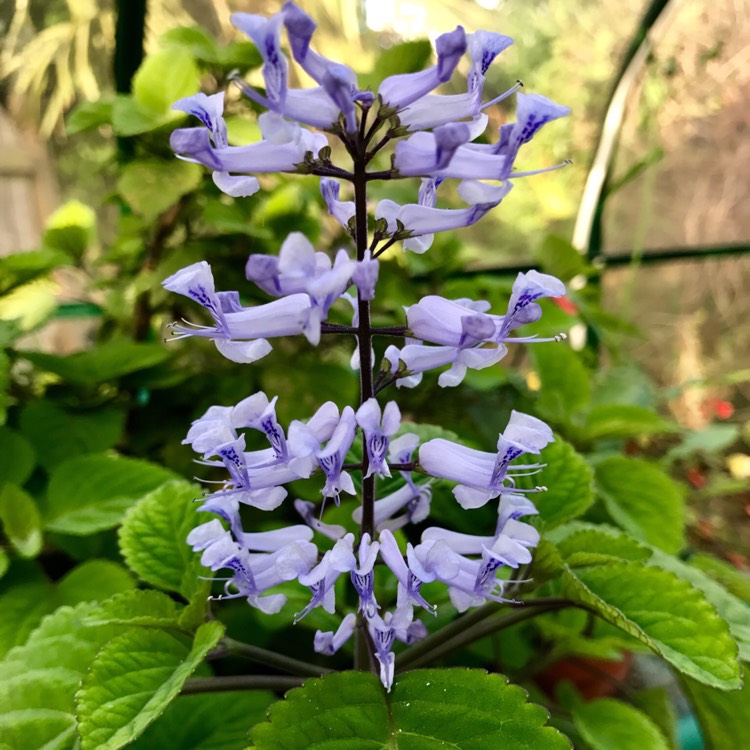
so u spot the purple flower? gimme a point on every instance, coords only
(363, 576)
(321, 578)
(401, 90)
(482, 476)
(378, 428)
(253, 575)
(305, 445)
(329, 643)
(408, 583)
(342, 211)
(196, 142)
(365, 276)
(307, 511)
(393, 626)
(433, 110)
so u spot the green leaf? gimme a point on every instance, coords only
(103, 362)
(153, 534)
(586, 544)
(559, 258)
(733, 610)
(23, 606)
(193, 39)
(206, 722)
(451, 708)
(71, 228)
(642, 499)
(145, 608)
(29, 305)
(732, 579)
(569, 481)
(407, 57)
(132, 681)
(606, 724)
(94, 580)
(665, 613)
(722, 715)
(20, 520)
(4, 562)
(712, 440)
(91, 493)
(151, 186)
(614, 421)
(16, 457)
(130, 118)
(38, 681)
(58, 434)
(565, 382)
(89, 115)
(164, 77)
(20, 268)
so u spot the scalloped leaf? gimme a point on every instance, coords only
(607, 723)
(643, 500)
(132, 681)
(17, 456)
(457, 708)
(570, 483)
(153, 534)
(38, 680)
(588, 544)
(91, 493)
(139, 608)
(663, 612)
(732, 609)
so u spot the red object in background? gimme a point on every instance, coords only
(716, 407)
(593, 678)
(565, 305)
(696, 477)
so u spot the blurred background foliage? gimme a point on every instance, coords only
(660, 401)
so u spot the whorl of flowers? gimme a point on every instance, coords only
(434, 137)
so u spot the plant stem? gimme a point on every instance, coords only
(272, 659)
(240, 682)
(475, 626)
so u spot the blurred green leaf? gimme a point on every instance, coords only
(559, 258)
(565, 382)
(20, 520)
(619, 421)
(583, 544)
(735, 581)
(91, 493)
(606, 724)
(710, 441)
(19, 268)
(130, 118)
(406, 57)
(644, 500)
(89, 115)
(722, 715)
(59, 434)
(194, 40)
(151, 186)
(107, 361)
(71, 229)
(17, 457)
(207, 722)
(164, 77)
(132, 680)
(30, 305)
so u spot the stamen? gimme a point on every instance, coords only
(512, 90)
(562, 164)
